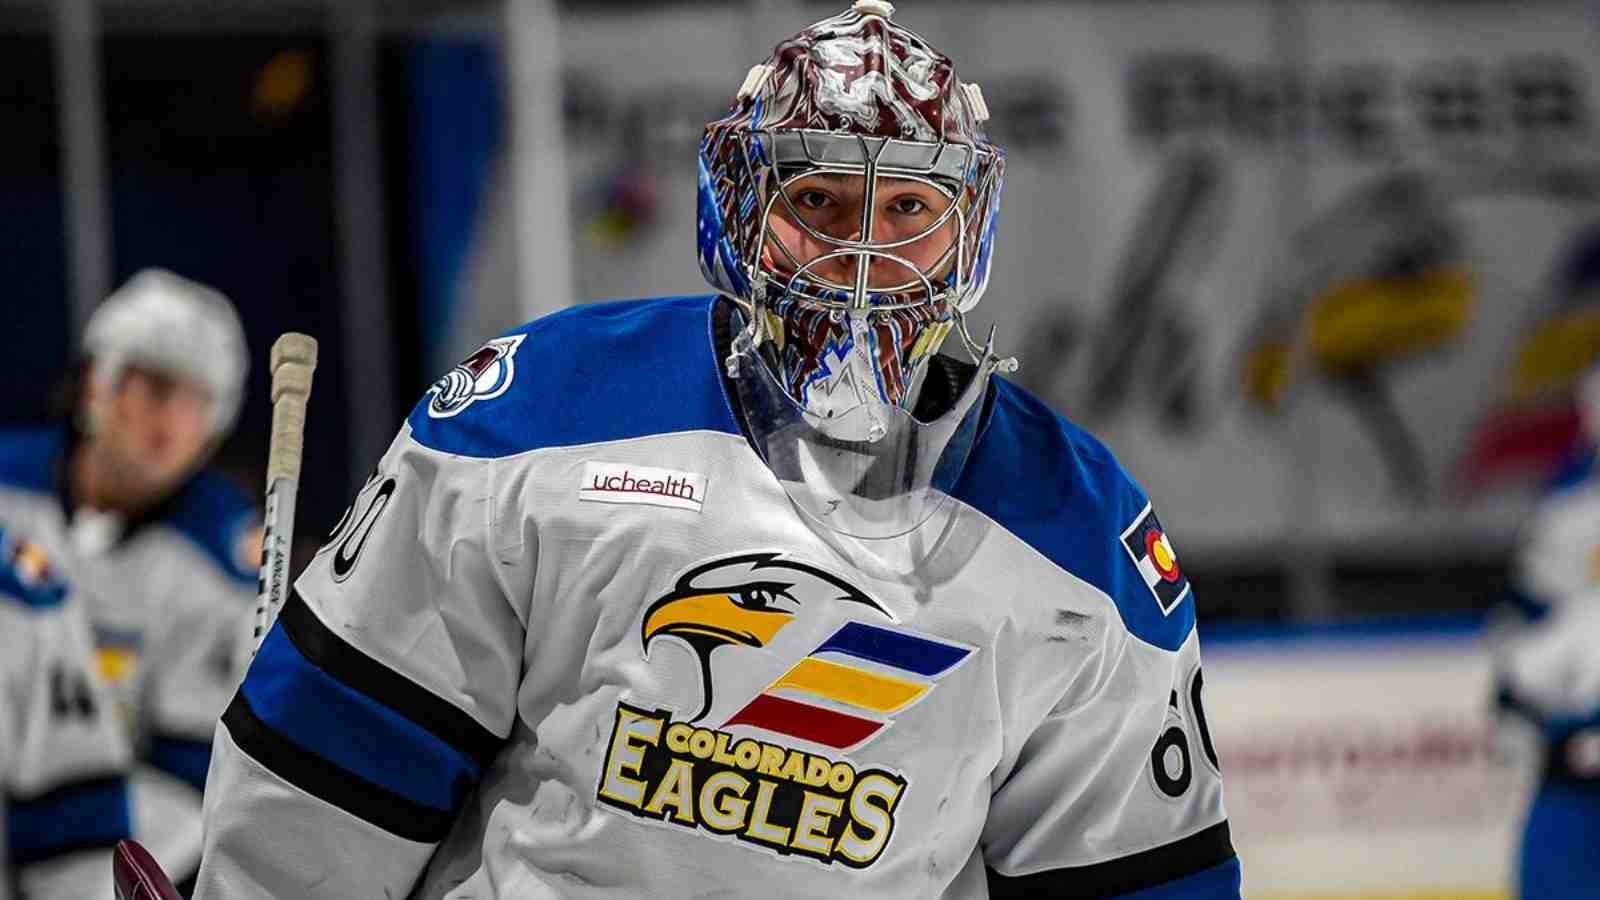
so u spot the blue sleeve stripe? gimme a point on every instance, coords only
(345, 727)
(83, 815)
(183, 758)
(352, 668)
(329, 783)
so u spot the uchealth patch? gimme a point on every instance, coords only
(1147, 544)
(608, 482)
(484, 375)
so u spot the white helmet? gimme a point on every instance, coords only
(171, 324)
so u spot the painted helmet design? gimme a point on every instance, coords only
(848, 204)
(855, 96)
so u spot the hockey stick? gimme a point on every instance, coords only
(134, 872)
(137, 876)
(294, 358)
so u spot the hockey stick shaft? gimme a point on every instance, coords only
(293, 360)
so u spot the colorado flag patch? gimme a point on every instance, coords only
(1146, 542)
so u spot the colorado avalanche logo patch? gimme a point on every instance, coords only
(484, 375)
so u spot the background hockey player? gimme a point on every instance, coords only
(1550, 673)
(166, 552)
(745, 595)
(64, 757)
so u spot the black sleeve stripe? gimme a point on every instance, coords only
(309, 772)
(330, 653)
(1195, 853)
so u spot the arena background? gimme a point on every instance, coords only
(1320, 272)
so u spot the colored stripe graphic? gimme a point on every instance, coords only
(893, 648)
(849, 684)
(807, 722)
(857, 687)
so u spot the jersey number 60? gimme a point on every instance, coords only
(1171, 751)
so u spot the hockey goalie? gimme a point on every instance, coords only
(748, 594)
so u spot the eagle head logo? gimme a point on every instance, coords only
(745, 600)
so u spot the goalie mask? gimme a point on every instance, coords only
(848, 203)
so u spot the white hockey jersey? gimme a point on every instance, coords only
(573, 640)
(63, 757)
(169, 598)
(1559, 557)
(1549, 675)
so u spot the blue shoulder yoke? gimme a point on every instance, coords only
(27, 457)
(214, 514)
(208, 510)
(591, 373)
(1060, 490)
(612, 371)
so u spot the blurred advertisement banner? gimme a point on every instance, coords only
(1318, 272)
(1287, 257)
(1362, 763)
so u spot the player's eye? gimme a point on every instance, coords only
(812, 199)
(908, 206)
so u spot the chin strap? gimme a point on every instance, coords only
(756, 330)
(983, 353)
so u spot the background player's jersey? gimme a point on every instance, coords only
(1551, 674)
(63, 758)
(1559, 556)
(1555, 580)
(1549, 677)
(169, 599)
(573, 640)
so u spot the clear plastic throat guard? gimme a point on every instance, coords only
(855, 485)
